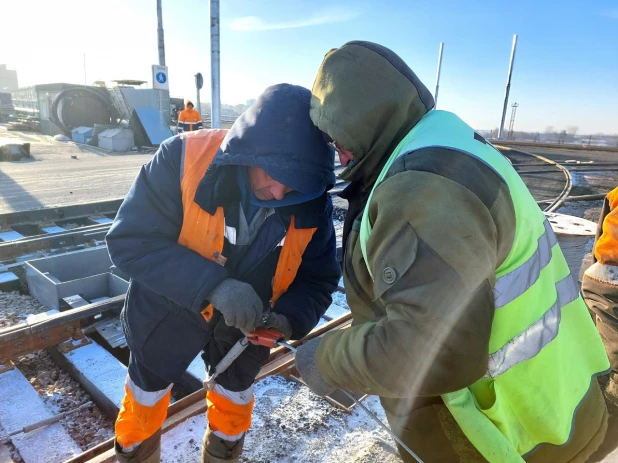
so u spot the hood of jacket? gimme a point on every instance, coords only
(277, 135)
(366, 98)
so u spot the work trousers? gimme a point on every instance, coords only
(163, 357)
(600, 290)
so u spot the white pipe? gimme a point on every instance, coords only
(508, 88)
(215, 73)
(435, 96)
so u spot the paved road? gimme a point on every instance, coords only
(53, 178)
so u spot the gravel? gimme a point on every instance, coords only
(61, 393)
(15, 308)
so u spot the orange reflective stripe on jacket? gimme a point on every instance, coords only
(226, 416)
(204, 233)
(296, 241)
(606, 248)
(137, 422)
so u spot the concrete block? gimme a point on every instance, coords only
(85, 273)
(21, 406)
(99, 373)
(10, 235)
(11, 150)
(9, 282)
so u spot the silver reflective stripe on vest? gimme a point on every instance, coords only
(512, 285)
(526, 345)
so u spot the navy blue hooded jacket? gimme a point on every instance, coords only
(275, 134)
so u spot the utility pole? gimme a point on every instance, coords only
(508, 88)
(85, 69)
(435, 95)
(215, 73)
(161, 40)
(509, 135)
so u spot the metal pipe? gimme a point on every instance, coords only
(569, 199)
(589, 169)
(508, 88)
(435, 96)
(160, 38)
(215, 72)
(199, 104)
(39, 424)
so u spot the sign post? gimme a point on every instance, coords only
(159, 77)
(199, 83)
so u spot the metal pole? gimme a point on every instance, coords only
(435, 96)
(85, 69)
(160, 40)
(215, 73)
(508, 88)
(199, 104)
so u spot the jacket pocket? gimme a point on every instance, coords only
(398, 256)
(143, 311)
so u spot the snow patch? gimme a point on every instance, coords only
(291, 424)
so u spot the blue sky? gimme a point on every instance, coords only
(566, 68)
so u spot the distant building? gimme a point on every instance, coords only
(8, 78)
(250, 102)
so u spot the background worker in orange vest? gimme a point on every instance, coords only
(600, 287)
(189, 119)
(219, 229)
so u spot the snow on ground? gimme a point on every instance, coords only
(291, 424)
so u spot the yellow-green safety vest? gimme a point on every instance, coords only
(544, 349)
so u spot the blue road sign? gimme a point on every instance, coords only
(161, 77)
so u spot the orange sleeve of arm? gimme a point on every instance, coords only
(606, 249)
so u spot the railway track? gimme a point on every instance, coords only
(73, 342)
(84, 341)
(515, 157)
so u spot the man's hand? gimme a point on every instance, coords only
(239, 304)
(280, 323)
(305, 364)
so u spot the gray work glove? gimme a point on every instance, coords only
(280, 323)
(238, 303)
(305, 364)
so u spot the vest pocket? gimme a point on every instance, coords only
(506, 420)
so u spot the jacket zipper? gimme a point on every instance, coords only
(266, 254)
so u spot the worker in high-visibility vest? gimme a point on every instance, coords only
(600, 286)
(221, 232)
(189, 119)
(467, 322)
